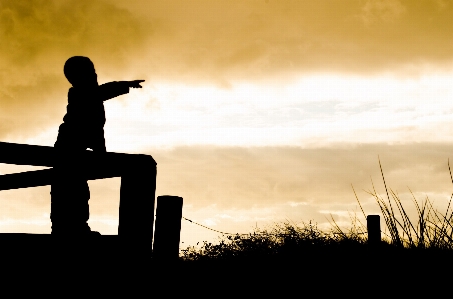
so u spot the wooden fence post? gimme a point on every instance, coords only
(373, 223)
(136, 212)
(168, 227)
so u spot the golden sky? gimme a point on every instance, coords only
(255, 111)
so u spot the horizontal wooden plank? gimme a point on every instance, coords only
(25, 179)
(42, 177)
(25, 154)
(97, 165)
(38, 155)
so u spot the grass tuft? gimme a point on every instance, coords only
(432, 229)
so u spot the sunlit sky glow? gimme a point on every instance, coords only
(255, 111)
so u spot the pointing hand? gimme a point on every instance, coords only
(136, 83)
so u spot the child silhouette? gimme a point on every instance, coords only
(82, 128)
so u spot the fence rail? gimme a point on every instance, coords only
(99, 166)
(138, 184)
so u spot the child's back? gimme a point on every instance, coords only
(83, 124)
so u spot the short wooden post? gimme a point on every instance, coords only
(168, 227)
(373, 223)
(136, 213)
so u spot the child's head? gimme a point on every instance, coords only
(79, 71)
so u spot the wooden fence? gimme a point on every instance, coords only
(138, 184)
(137, 195)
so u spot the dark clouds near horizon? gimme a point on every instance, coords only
(214, 42)
(250, 177)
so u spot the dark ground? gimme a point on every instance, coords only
(107, 265)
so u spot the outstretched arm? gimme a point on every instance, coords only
(113, 89)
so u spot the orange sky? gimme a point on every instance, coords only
(255, 111)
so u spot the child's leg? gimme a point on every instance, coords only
(69, 196)
(69, 207)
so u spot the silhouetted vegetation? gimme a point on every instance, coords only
(284, 239)
(432, 230)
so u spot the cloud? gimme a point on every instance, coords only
(35, 31)
(264, 176)
(382, 11)
(205, 40)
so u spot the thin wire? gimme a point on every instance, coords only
(350, 233)
(214, 230)
(268, 234)
(237, 234)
